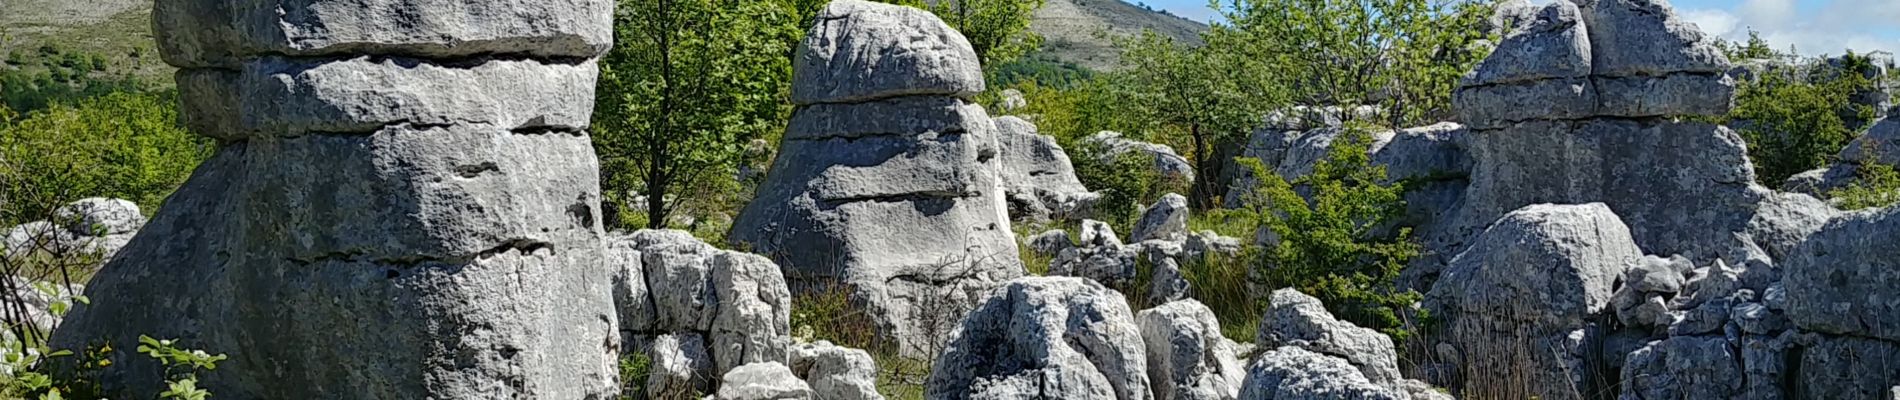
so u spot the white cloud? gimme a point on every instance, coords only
(1830, 28)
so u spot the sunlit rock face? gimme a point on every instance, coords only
(404, 205)
(888, 180)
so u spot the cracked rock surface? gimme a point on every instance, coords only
(888, 180)
(404, 205)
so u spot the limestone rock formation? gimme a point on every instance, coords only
(1045, 338)
(1037, 177)
(1296, 320)
(762, 381)
(1101, 257)
(1188, 359)
(836, 373)
(91, 227)
(1168, 164)
(394, 211)
(669, 283)
(1165, 220)
(888, 178)
(1525, 294)
(1293, 373)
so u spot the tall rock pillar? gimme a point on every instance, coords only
(404, 204)
(887, 181)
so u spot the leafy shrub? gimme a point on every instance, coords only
(1876, 185)
(1793, 126)
(1337, 246)
(633, 375)
(121, 145)
(1128, 183)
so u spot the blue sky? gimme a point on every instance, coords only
(1812, 26)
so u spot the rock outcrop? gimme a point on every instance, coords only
(1298, 374)
(1167, 164)
(762, 381)
(888, 178)
(404, 205)
(1045, 338)
(1037, 176)
(88, 227)
(1296, 320)
(1521, 305)
(836, 373)
(1188, 359)
(669, 283)
(1840, 285)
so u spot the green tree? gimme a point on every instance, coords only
(1340, 245)
(1792, 125)
(122, 145)
(689, 84)
(998, 29)
(1754, 49)
(1403, 55)
(1211, 94)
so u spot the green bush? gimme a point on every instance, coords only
(121, 145)
(1337, 246)
(1796, 125)
(1128, 183)
(1876, 186)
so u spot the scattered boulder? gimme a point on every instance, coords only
(1051, 243)
(1295, 373)
(1165, 220)
(1045, 338)
(1521, 301)
(679, 365)
(1168, 164)
(1188, 359)
(1684, 367)
(762, 381)
(1101, 257)
(887, 179)
(1294, 319)
(836, 373)
(101, 216)
(1038, 179)
(413, 217)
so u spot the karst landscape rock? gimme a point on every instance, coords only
(405, 202)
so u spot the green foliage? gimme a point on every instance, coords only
(1340, 246)
(181, 367)
(1792, 125)
(689, 85)
(634, 370)
(1876, 186)
(1128, 183)
(1405, 55)
(1754, 49)
(1211, 94)
(122, 145)
(1039, 70)
(57, 77)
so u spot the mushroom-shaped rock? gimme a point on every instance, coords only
(1045, 338)
(861, 50)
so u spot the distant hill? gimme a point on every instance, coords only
(120, 31)
(1073, 30)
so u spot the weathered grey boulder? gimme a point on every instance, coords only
(1846, 367)
(1880, 144)
(1050, 243)
(1167, 283)
(1168, 164)
(1842, 279)
(1684, 367)
(1100, 257)
(861, 50)
(1037, 176)
(1045, 338)
(100, 216)
(1165, 220)
(888, 178)
(679, 365)
(763, 381)
(1013, 100)
(408, 190)
(1517, 303)
(37, 306)
(1188, 359)
(1269, 146)
(836, 373)
(1294, 319)
(1647, 38)
(667, 282)
(1292, 373)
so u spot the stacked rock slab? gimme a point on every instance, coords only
(1037, 176)
(1840, 286)
(404, 205)
(887, 180)
(1586, 103)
